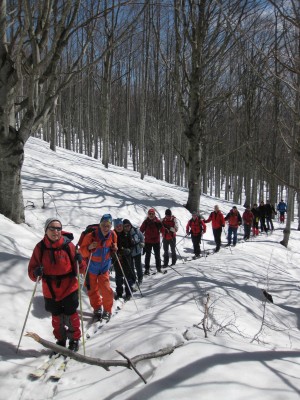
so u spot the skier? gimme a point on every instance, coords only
(262, 215)
(196, 228)
(99, 246)
(282, 209)
(170, 225)
(138, 242)
(270, 213)
(248, 218)
(54, 261)
(234, 220)
(217, 220)
(124, 258)
(151, 228)
(256, 215)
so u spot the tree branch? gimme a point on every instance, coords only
(129, 363)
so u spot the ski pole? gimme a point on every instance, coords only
(205, 255)
(182, 239)
(183, 260)
(133, 273)
(126, 281)
(80, 305)
(170, 266)
(29, 307)
(87, 269)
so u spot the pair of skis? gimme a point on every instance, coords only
(97, 324)
(56, 364)
(203, 255)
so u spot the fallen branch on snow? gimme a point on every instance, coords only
(129, 363)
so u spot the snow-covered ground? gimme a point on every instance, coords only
(253, 348)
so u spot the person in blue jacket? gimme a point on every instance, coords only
(282, 209)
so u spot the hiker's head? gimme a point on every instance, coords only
(151, 213)
(126, 224)
(105, 223)
(53, 228)
(118, 224)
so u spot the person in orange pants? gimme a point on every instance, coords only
(102, 242)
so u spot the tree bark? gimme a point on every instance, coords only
(11, 142)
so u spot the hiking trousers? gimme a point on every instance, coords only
(100, 292)
(65, 318)
(156, 249)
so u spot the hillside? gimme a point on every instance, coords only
(253, 347)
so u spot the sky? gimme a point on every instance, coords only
(252, 349)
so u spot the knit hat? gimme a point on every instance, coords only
(48, 222)
(126, 222)
(151, 210)
(118, 221)
(106, 218)
(168, 212)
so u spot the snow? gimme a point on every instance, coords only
(253, 347)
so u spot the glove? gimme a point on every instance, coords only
(113, 248)
(188, 233)
(126, 252)
(38, 271)
(172, 229)
(142, 244)
(223, 226)
(78, 257)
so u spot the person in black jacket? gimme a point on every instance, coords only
(125, 270)
(256, 219)
(270, 213)
(262, 215)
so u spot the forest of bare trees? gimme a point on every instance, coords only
(201, 93)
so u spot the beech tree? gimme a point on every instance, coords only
(33, 36)
(202, 39)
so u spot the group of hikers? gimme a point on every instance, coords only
(56, 261)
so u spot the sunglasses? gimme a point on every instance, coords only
(55, 228)
(151, 213)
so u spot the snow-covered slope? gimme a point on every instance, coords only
(253, 347)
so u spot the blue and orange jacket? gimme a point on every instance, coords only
(101, 255)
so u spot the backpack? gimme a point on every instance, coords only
(88, 229)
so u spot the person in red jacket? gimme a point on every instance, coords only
(54, 261)
(99, 246)
(151, 228)
(218, 222)
(196, 228)
(234, 220)
(248, 218)
(170, 225)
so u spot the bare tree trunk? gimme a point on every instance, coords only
(194, 167)
(53, 129)
(11, 143)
